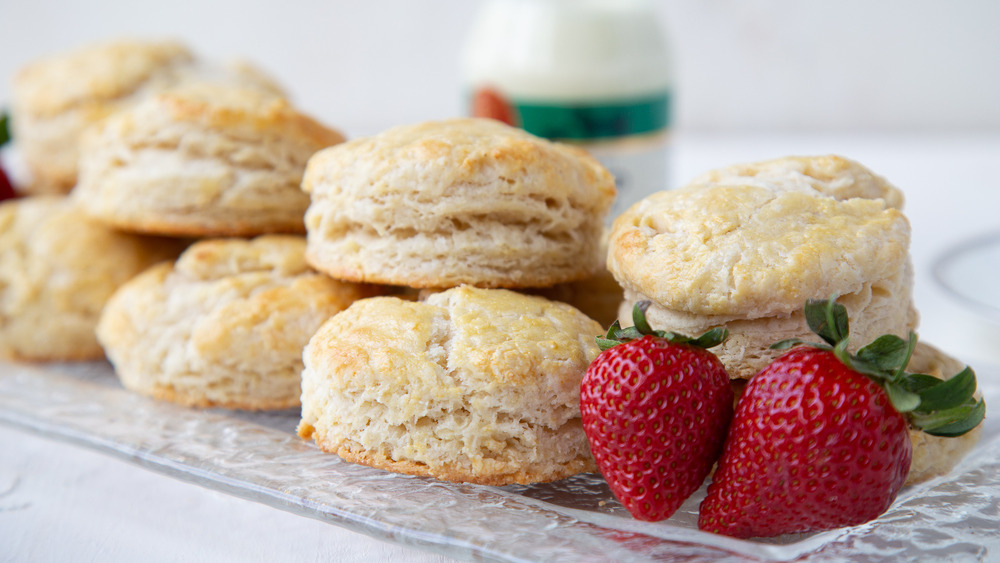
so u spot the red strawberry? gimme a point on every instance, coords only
(6, 188)
(818, 441)
(814, 445)
(655, 410)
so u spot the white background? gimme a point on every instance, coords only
(772, 65)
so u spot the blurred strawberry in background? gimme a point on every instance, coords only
(6, 188)
(488, 102)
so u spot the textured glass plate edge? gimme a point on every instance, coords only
(245, 455)
(948, 270)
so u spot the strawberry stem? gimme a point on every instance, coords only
(4, 128)
(639, 317)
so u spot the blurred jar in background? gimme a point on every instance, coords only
(591, 72)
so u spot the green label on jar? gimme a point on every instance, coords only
(576, 121)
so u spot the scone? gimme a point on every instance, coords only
(54, 99)
(440, 204)
(58, 267)
(225, 326)
(470, 385)
(201, 160)
(748, 255)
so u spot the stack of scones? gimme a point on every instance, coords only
(225, 325)
(59, 265)
(473, 382)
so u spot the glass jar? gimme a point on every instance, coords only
(591, 72)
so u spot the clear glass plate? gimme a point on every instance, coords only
(970, 273)
(258, 457)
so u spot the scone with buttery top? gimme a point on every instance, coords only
(201, 160)
(440, 204)
(470, 385)
(225, 326)
(748, 248)
(58, 267)
(56, 98)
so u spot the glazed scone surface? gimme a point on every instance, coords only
(202, 160)
(443, 203)
(472, 385)
(224, 326)
(58, 267)
(752, 251)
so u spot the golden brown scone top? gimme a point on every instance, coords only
(830, 175)
(486, 337)
(104, 71)
(435, 157)
(229, 107)
(753, 251)
(276, 291)
(214, 259)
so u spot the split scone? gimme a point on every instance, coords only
(56, 98)
(470, 385)
(744, 247)
(441, 204)
(58, 267)
(225, 326)
(747, 255)
(201, 160)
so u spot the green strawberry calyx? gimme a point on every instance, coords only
(617, 335)
(4, 129)
(940, 407)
